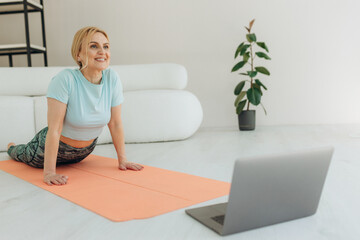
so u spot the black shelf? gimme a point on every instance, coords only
(17, 6)
(25, 7)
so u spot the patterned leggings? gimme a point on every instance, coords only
(32, 153)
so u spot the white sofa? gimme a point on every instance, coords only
(156, 106)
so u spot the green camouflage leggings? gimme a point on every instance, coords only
(32, 153)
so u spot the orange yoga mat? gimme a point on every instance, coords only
(99, 186)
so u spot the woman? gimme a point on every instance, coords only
(80, 103)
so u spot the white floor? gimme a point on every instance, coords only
(27, 212)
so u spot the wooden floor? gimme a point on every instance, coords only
(28, 212)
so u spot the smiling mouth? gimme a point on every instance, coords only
(100, 59)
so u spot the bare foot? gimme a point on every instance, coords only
(10, 144)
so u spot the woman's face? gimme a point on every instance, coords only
(98, 53)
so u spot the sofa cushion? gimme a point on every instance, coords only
(17, 120)
(160, 115)
(40, 109)
(4, 156)
(152, 76)
(21, 81)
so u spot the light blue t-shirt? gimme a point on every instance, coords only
(88, 105)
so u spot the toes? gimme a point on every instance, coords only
(10, 144)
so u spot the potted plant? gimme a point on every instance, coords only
(252, 95)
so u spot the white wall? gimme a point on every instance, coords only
(314, 45)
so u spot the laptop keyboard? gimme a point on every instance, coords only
(219, 219)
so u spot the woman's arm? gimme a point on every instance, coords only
(55, 119)
(117, 134)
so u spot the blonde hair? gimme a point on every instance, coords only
(82, 38)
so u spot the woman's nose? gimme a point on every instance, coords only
(101, 50)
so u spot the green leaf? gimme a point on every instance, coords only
(239, 49)
(262, 70)
(251, 37)
(240, 106)
(260, 83)
(254, 96)
(238, 66)
(252, 73)
(262, 55)
(263, 45)
(244, 48)
(240, 97)
(257, 87)
(245, 74)
(239, 87)
(246, 56)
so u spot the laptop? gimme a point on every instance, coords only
(269, 189)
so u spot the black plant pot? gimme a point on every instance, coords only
(247, 120)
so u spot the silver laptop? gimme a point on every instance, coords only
(269, 189)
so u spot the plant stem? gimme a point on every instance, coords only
(252, 69)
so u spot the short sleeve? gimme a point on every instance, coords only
(59, 87)
(117, 94)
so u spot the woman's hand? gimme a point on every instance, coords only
(124, 165)
(53, 178)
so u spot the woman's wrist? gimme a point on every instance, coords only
(48, 174)
(48, 169)
(122, 158)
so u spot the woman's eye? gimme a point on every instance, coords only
(93, 46)
(106, 47)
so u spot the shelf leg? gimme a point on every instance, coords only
(45, 59)
(43, 33)
(27, 34)
(10, 61)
